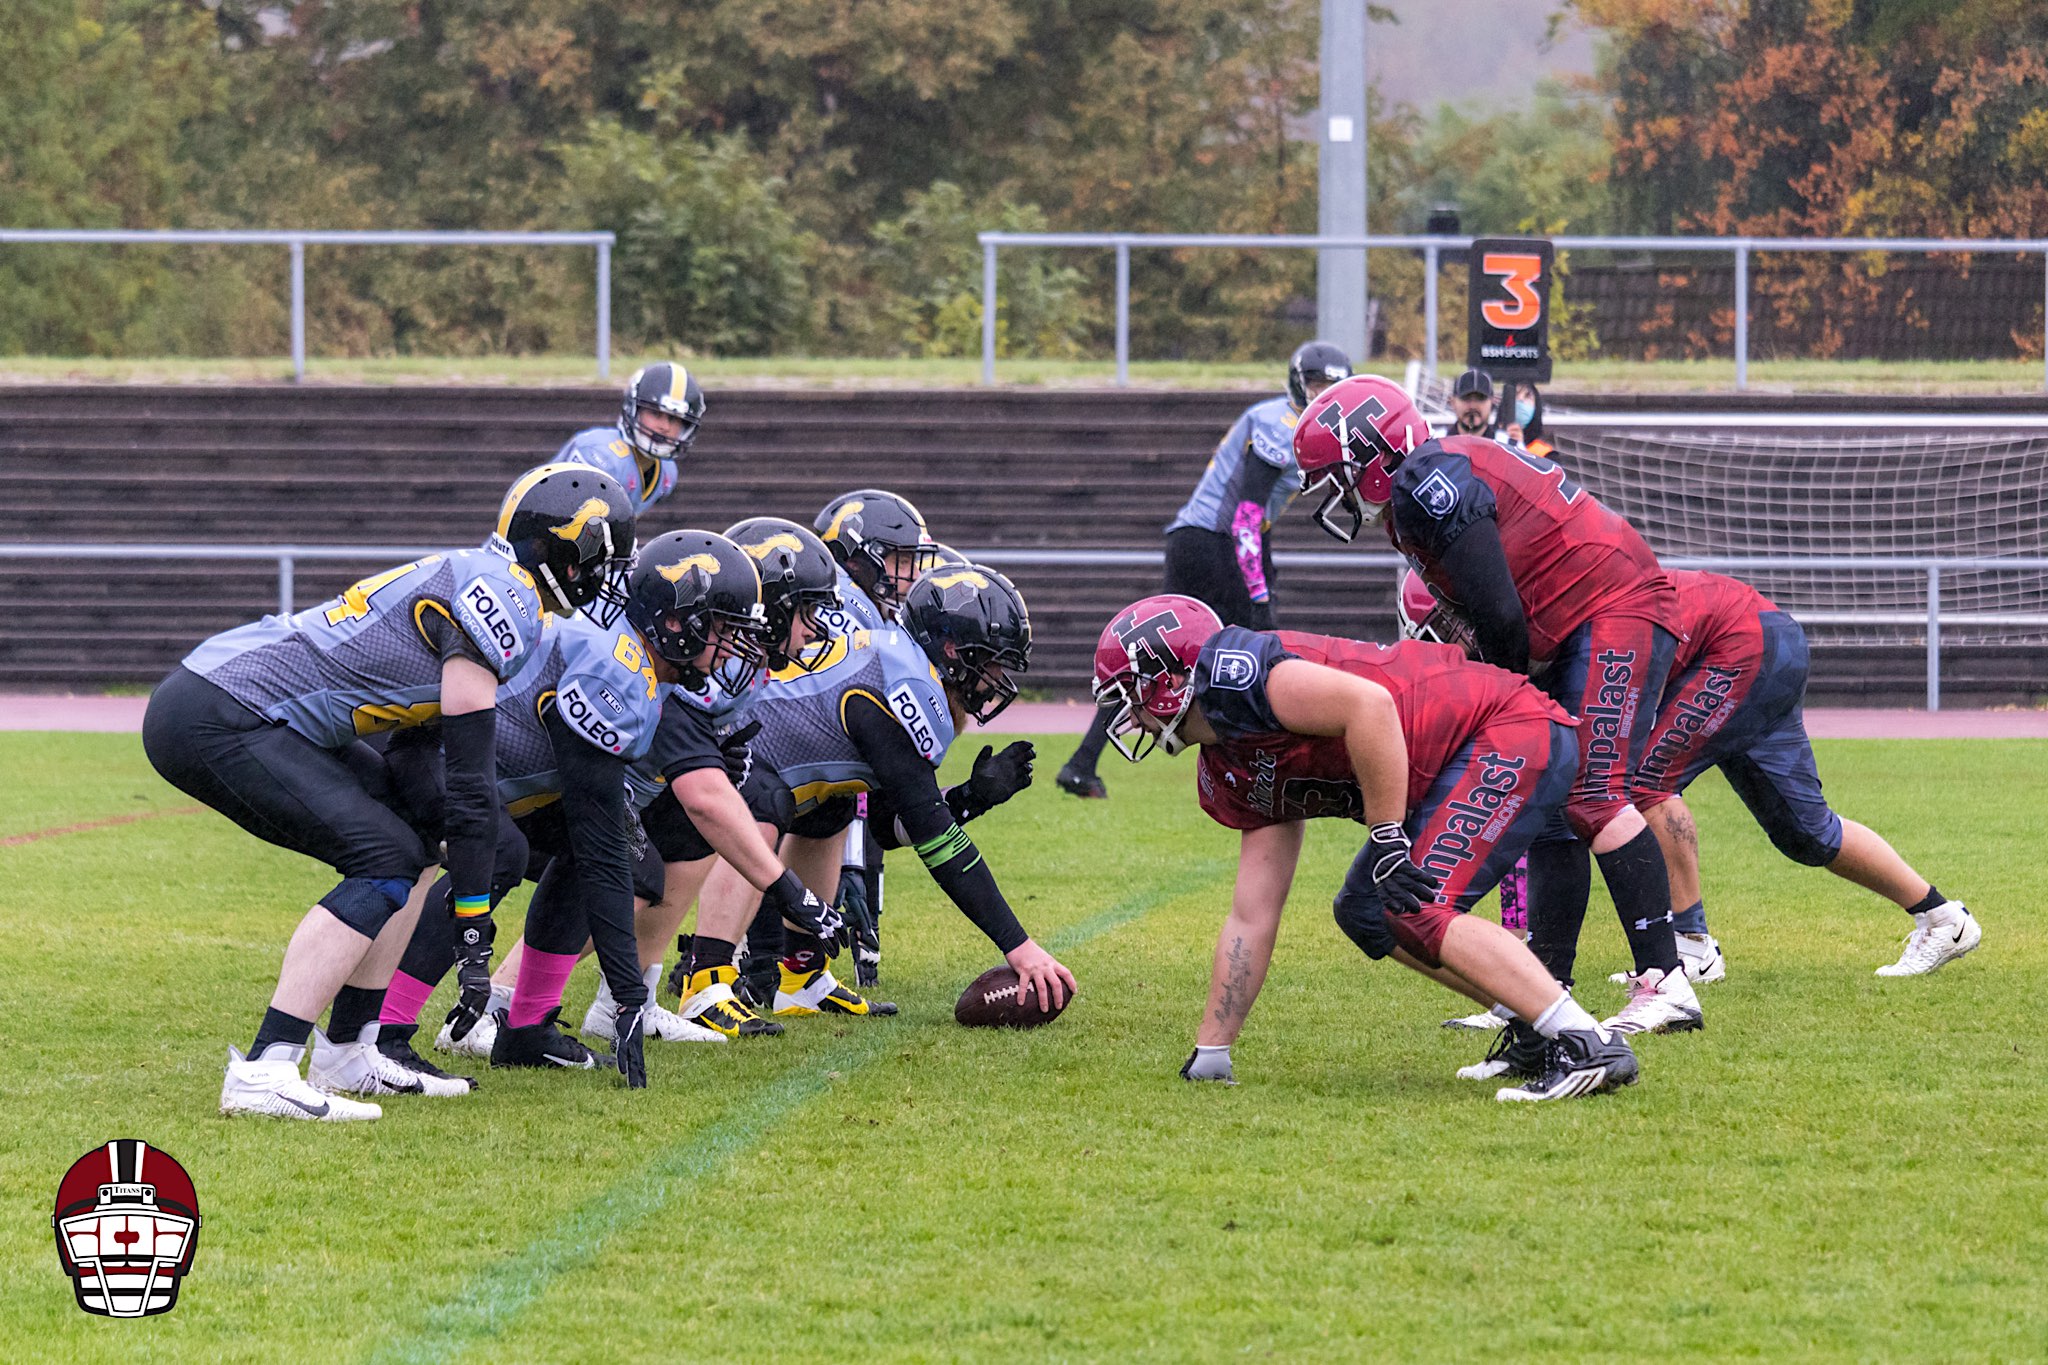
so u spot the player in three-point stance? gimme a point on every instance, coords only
(1734, 702)
(1453, 767)
(1556, 586)
(262, 723)
(874, 715)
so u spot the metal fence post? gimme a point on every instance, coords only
(298, 308)
(285, 584)
(1429, 312)
(2044, 324)
(1934, 637)
(988, 312)
(1123, 314)
(604, 310)
(1741, 318)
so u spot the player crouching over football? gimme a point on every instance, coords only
(1462, 761)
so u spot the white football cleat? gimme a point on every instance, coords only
(1939, 937)
(671, 1027)
(358, 1068)
(271, 1085)
(1486, 1021)
(1658, 1002)
(476, 1043)
(1700, 955)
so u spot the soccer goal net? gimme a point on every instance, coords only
(1768, 487)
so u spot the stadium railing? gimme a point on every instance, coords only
(1432, 248)
(287, 557)
(298, 241)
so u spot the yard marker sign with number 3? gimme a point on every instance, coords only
(1510, 308)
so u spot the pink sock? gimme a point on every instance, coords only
(539, 988)
(404, 999)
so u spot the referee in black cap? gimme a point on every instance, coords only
(1472, 403)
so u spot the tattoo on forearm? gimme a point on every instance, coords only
(1236, 998)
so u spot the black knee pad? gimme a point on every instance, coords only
(1364, 923)
(1801, 845)
(366, 904)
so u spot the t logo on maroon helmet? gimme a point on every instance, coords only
(1145, 641)
(127, 1225)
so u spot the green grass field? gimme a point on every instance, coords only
(1840, 1167)
(1955, 377)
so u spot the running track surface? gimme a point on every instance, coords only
(123, 715)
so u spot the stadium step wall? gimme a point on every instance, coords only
(426, 466)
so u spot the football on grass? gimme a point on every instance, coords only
(994, 1001)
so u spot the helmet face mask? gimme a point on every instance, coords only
(571, 527)
(972, 624)
(668, 389)
(1145, 667)
(1349, 442)
(799, 580)
(692, 592)
(870, 532)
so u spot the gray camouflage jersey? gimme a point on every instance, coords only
(361, 662)
(1265, 432)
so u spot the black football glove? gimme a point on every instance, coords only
(473, 937)
(803, 909)
(861, 934)
(1403, 887)
(995, 779)
(630, 1046)
(738, 751)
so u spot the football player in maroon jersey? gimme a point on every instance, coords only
(1453, 767)
(1555, 586)
(1734, 702)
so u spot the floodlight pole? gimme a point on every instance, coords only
(1340, 198)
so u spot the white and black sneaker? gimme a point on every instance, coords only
(270, 1085)
(1519, 1052)
(358, 1068)
(1658, 1002)
(1939, 937)
(543, 1044)
(1582, 1062)
(395, 1042)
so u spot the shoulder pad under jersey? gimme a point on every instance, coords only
(494, 601)
(608, 693)
(914, 693)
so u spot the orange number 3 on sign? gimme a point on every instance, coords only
(1518, 275)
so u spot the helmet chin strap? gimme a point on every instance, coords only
(561, 606)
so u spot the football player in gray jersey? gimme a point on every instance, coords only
(261, 723)
(1217, 550)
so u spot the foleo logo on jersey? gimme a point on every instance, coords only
(1234, 669)
(1437, 494)
(484, 609)
(903, 701)
(127, 1225)
(578, 711)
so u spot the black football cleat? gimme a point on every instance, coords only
(395, 1042)
(1582, 1062)
(543, 1044)
(1085, 785)
(1518, 1053)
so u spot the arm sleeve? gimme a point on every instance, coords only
(1255, 481)
(945, 848)
(1475, 568)
(685, 740)
(448, 641)
(594, 810)
(470, 811)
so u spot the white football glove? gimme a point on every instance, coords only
(1208, 1064)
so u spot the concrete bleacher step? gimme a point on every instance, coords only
(426, 465)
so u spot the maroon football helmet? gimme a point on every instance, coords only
(1422, 617)
(1145, 662)
(1349, 442)
(127, 1223)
